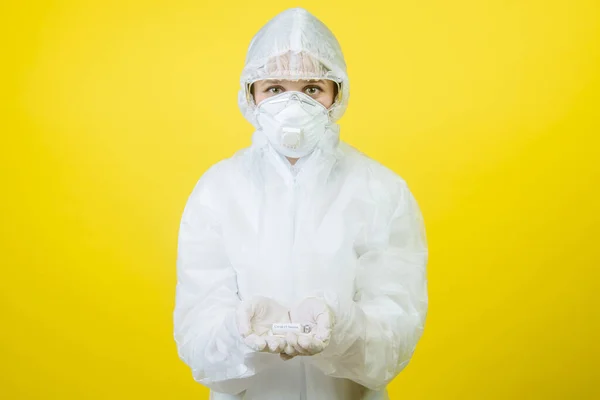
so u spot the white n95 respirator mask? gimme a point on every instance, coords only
(293, 123)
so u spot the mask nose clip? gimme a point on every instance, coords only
(294, 98)
(291, 137)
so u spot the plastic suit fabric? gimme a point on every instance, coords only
(343, 228)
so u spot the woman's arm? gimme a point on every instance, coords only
(205, 331)
(375, 335)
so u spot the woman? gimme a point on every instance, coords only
(299, 228)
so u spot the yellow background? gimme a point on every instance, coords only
(111, 110)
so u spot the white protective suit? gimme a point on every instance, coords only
(340, 227)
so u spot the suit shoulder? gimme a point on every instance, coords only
(373, 170)
(222, 170)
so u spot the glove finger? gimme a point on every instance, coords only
(282, 344)
(275, 344)
(255, 342)
(292, 340)
(311, 344)
(289, 350)
(292, 347)
(305, 342)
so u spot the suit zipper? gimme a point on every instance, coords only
(295, 204)
(294, 216)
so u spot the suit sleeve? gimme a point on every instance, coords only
(207, 298)
(376, 332)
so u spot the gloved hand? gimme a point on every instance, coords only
(317, 314)
(254, 321)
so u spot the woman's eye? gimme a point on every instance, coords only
(275, 90)
(312, 90)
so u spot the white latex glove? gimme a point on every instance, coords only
(255, 319)
(317, 314)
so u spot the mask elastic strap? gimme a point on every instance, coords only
(337, 101)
